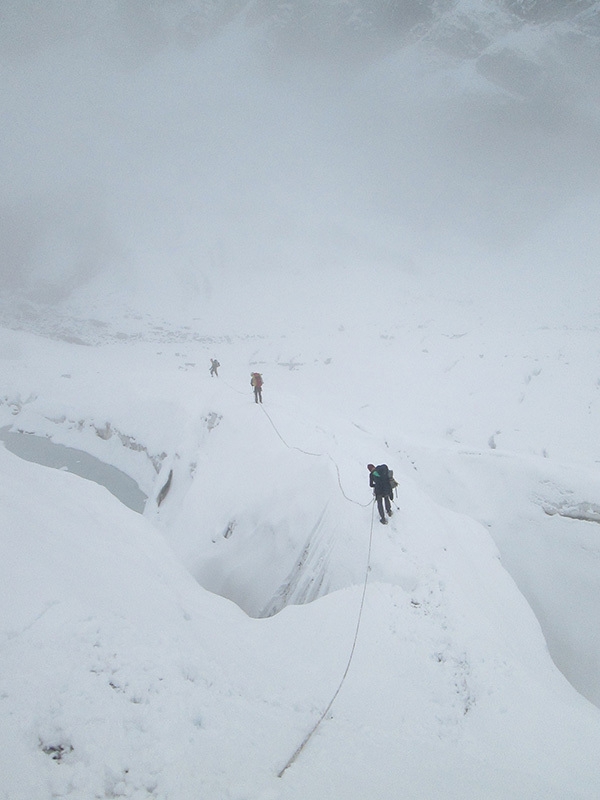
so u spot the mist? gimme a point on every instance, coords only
(187, 155)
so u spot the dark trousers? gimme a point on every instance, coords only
(258, 394)
(381, 499)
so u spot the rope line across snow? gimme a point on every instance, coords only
(238, 391)
(289, 446)
(306, 452)
(317, 455)
(308, 736)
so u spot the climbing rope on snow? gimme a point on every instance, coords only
(306, 452)
(311, 732)
(309, 735)
(232, 387)
(317, 455)
(349, 499)
(289, 446)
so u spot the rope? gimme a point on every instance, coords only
(306, 452)
(317, 455)
(232, 387)
(308, 736)
(289, 446)
(350, 500)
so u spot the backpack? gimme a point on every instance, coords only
(256, 379)
(383, 471)
(387, 476)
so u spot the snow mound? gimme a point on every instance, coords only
(123, 677)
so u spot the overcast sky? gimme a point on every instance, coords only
(150, 139)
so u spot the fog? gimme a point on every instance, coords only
(194, 153)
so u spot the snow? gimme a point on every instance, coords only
(187, 652)
(393, 217)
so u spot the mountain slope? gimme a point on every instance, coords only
(450, 683)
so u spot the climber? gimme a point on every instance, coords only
(382, 480)
(256, 381)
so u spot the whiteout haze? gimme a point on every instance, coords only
(390, 211)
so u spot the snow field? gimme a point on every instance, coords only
(125, 677)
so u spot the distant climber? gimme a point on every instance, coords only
(382, 480)
(256, 381)
(214, 366)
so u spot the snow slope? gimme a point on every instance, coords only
(124, 676)
(390, 210)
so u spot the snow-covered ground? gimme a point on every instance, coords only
(391, 211)
(188, 652)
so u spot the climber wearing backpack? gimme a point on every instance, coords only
(256, 382)
(214, 366)
(383, 483)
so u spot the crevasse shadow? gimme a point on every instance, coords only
(44, 451)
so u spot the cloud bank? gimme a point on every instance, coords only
(191, 146)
